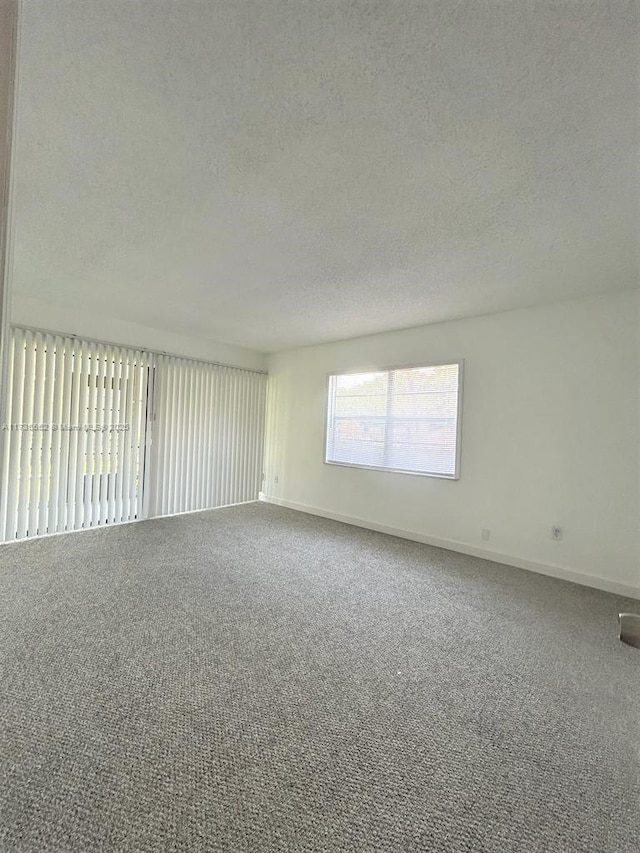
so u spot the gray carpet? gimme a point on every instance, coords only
(254, 679)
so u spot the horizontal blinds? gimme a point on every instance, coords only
(208, 429)
(74, 436)
(403, 420)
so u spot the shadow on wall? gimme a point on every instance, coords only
(277, 427)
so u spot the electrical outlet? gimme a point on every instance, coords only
(556, 533)
(485, 534)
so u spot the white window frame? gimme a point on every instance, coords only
(329, 405)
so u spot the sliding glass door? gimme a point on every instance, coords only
(99, 434)
(75, 435)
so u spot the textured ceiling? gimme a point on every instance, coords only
(274, 173)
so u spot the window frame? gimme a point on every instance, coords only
(329, 405)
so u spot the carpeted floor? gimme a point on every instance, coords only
(254, 679)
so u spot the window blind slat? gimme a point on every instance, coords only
(13, 438)
(26, 421)
(107, 502)
(48, 404)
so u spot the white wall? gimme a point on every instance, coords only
(8, 32)
(76, 320)
(550, 435)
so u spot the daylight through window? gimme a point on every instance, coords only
(397, 420)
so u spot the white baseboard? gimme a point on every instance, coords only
(463, 548)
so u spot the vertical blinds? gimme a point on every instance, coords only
(82, 447)
(74, 436)
(400, 420)
(207, 435)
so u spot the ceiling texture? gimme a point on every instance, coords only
(275, 173)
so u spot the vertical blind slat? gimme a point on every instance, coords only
(138, 433)
(24, 485)
(127, 398)
(82, 384)
(48, 404)
(106, 508)
(12, 439)
(119, 436)
(65, 419)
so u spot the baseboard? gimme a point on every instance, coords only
(463, 548)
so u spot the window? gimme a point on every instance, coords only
(397, 420)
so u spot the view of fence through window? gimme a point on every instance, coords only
(401, 420)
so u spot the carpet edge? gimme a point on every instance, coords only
(548, 569)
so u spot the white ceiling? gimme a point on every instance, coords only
(274, 173)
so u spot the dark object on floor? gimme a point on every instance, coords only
(630, 629)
